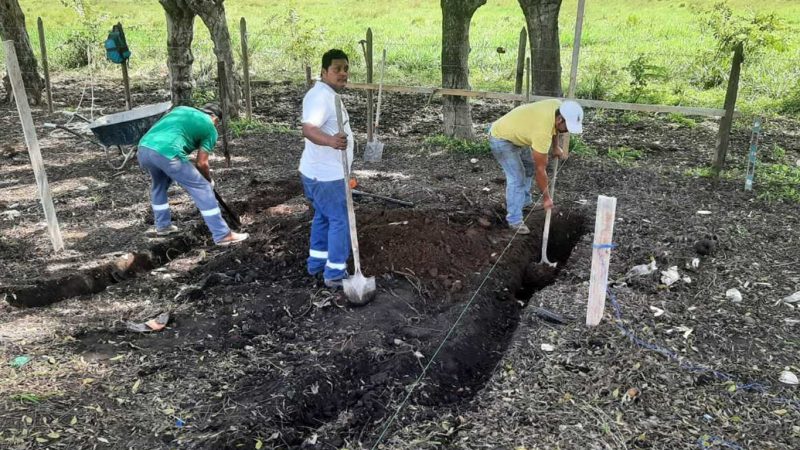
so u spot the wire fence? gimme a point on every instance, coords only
(690, 75)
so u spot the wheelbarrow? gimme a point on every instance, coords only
(125, 129)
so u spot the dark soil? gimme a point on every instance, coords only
(258, 353)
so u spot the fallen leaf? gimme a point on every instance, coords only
(259, 444)
(136, 385)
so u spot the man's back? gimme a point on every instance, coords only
(180, 132)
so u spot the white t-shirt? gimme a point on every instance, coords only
(320, 162)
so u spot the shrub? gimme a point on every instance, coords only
(464, 146)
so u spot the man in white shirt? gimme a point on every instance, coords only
(322, 172)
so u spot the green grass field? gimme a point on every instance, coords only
(664, 34)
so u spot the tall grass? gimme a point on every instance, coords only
(618, 34)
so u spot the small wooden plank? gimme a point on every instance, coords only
(32, 141)
(601, 256)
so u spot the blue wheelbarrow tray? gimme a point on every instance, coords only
(127, 127)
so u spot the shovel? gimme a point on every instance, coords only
(358, 288)
(374, 150)
(546, 232)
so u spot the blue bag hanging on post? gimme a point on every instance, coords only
(116, 48)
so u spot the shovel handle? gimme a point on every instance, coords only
(380, 90)
(351, 214)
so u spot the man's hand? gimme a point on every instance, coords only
(338, 141)
(558, 153)
(547, 202)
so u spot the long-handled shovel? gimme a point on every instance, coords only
(546, 232)
(374, 150)
(358, 288)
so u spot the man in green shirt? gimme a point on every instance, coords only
(164, 152)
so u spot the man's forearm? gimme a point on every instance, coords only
(316, 135)
(542, 181)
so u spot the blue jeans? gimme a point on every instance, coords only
(517, 163)
(330, 231)
(164, 171)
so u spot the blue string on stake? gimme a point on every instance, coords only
(601, 246)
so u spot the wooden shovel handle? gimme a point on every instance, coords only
(351, 214)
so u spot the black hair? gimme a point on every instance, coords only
(332, 54)
(212, 108)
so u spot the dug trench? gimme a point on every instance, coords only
(303, 369)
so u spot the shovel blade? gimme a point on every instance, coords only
(359, 289)
(374, 151)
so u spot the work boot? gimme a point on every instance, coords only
(520, 228)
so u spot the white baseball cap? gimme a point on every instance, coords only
(573, 114)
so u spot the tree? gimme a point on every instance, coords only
(456, 18)
(180, 20)
(541, 16)
(12, 27)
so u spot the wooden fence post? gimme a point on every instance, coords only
(370, 122)
(45, 66)
(125, 80)
(730, 105)
(248, 101)
(523, 39)
(223, 105)
(29, 130)
(601, 255)
(528, 80)
(573, 70)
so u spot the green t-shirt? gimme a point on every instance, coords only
(180, 132)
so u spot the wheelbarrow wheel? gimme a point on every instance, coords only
(126, 156)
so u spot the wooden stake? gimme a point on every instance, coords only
(31, 140)
(528, 80)
(45, 66)
(370, 123)
(523, 39)
(730, 105)
(601, 255)
(309, 81)
(223, 105)
(248, 101)
(125, 80)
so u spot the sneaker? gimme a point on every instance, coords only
(520, 228)
(167, 231)
(335, 284)
(233, 238)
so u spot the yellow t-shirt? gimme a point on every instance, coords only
(531, 125)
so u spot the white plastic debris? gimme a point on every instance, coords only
(657, 311)
(703, 212)
(11, 214)
(474, 160)
(687, 279)
(670, 276)
(733, 295)
(695, 263)
(547, 348)
(789, 378)
(642, 269)
(794, 298)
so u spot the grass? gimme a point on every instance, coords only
(681, 120)
(665, 34)
(466, 147)
(578, 147)
(241, 127)
(625, 156)
(772, 182)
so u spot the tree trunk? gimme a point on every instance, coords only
(542, 19)
(180, 32)
(12, 28)
(456, 18)
(212, 13)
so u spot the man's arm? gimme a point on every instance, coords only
(319, 137)
(201, 162)
(555, 147)
(542, 181)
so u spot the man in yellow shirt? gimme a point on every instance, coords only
(521, 140)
